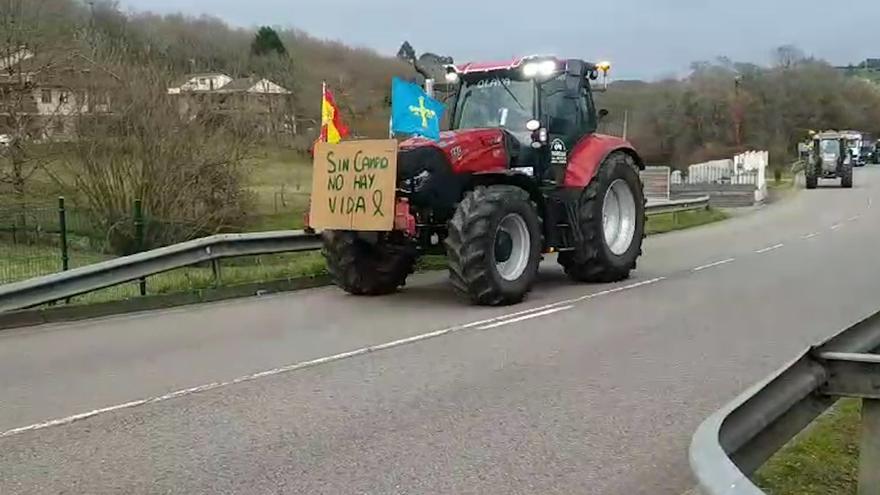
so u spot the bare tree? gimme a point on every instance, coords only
(30, 51)
(187, 169)
(787, 56)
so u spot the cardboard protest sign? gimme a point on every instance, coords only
(353, 185)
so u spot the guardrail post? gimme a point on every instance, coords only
(869, 449)
(62, 227)
(139, 238)
(215, 269)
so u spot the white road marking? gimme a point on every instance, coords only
(771, 248)
(482, 325)
(525, 317)
(711, 265)
(853, 218)
(809, 236)
(836, 226)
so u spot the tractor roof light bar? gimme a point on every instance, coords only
(533, 66)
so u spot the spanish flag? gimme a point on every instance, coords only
(332, 128)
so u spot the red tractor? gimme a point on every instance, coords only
(521, 173)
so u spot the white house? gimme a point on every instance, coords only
(211, 81)
(218, 94)
(221, 83)
(42, 94)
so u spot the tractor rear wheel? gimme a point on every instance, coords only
(611, 213)
(366, 269)
(494, 245)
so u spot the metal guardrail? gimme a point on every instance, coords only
(679, 205)
(51, 288)
(59, 286)
(736, 440)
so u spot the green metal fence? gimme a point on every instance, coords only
(40, 240)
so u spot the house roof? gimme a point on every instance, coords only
(245, 84)
(242, 84)
(189, 77)
(57, 67)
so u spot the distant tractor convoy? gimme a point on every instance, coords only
(521, 173)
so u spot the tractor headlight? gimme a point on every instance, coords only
(530, 70)
(451, 74)
(544, 68)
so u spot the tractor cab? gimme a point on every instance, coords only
(831, 159)
(830, 149)
(543, 105)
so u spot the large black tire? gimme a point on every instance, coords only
(846, 175)
(473, 250)
(811, 174)
(594, 260)
(366, 269)
(812, 181)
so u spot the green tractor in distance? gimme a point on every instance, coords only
(830, 159)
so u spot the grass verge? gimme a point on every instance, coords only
(821, 460)
(668, 222)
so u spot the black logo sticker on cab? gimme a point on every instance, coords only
(558, 152)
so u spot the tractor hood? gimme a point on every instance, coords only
(466, 150)
(434, 174)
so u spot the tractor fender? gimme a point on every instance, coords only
(510, 178)
(589, 153)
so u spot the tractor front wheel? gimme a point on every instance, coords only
(846, 176)
(611, 213)
(811, 173)
(494, 245)
(364, 268)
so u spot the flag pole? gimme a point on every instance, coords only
(323, 96)
(391, 113)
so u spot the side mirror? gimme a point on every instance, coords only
(603, 113)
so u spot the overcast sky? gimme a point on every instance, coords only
(643, 38)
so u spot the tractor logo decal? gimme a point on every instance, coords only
(558, 152)
(456, 152)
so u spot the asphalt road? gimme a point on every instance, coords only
(582, 389)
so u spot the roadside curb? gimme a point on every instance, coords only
(62, 314)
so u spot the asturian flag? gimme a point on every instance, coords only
(413, 111)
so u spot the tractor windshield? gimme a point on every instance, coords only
(830, 147)
(495, 102)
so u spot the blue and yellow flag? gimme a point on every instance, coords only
(413, 111)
